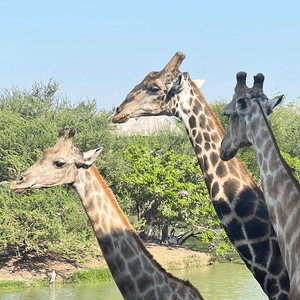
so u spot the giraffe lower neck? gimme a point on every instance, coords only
(135, 272)
(279, 184)
(281, 191)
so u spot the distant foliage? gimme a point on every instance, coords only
(89, 276)
(163, 183)
(285, 121)
(41, 101)
(44, 220)
(154, 178)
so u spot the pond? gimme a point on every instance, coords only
(221, 281)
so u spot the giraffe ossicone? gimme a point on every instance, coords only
(248, 124)
(137, 275)
(238, 200)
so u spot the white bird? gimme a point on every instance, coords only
(52, 277)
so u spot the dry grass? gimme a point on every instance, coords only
(178, 257)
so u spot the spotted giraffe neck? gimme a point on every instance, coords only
(238, 201)
(137, 275)
(282, 194)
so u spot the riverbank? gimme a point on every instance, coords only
(34, 269)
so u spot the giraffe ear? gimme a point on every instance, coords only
(91, 155)
(272, 103)
(89, 158)
(180, 82)
(199, 82)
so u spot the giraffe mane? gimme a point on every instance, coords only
(221, 130)
(285, 165)
(111, 196)
(211, 113)
(115, 204)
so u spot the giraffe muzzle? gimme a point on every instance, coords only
(226, 153)
(15, 185)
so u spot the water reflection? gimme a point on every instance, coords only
(219, 282)
(224, 281)
(105, 291)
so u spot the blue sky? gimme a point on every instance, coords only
(102, 49)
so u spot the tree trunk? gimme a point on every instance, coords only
(164, 231)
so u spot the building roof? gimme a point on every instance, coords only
(146, 125)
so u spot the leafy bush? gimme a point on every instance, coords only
(167, 187)
(160, 170)
(89, 276)
(45, 220)
(285, 121)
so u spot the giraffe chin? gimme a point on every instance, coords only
(225, 156)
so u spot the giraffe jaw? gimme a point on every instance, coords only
(20, 191)
(24, 190)
(120, 118)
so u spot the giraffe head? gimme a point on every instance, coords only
(58, 165)
(248, 108)
(153, 96)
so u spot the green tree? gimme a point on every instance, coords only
(155, 177)
(45, 220)
(165, 187)
(285, 121)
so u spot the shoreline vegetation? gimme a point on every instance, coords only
(33, 270)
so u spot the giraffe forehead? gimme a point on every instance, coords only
(63, 151)
(151, 78)
(252, 95)
(155, 78)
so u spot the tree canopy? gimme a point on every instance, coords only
(156, 179)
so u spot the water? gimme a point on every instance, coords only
(221, 281)
(226, 281)
(105, 291)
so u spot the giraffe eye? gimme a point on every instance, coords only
(59, 164)
(153, 90)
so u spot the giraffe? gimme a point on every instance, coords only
(137, 275)
(237, 199)
(249, 125)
